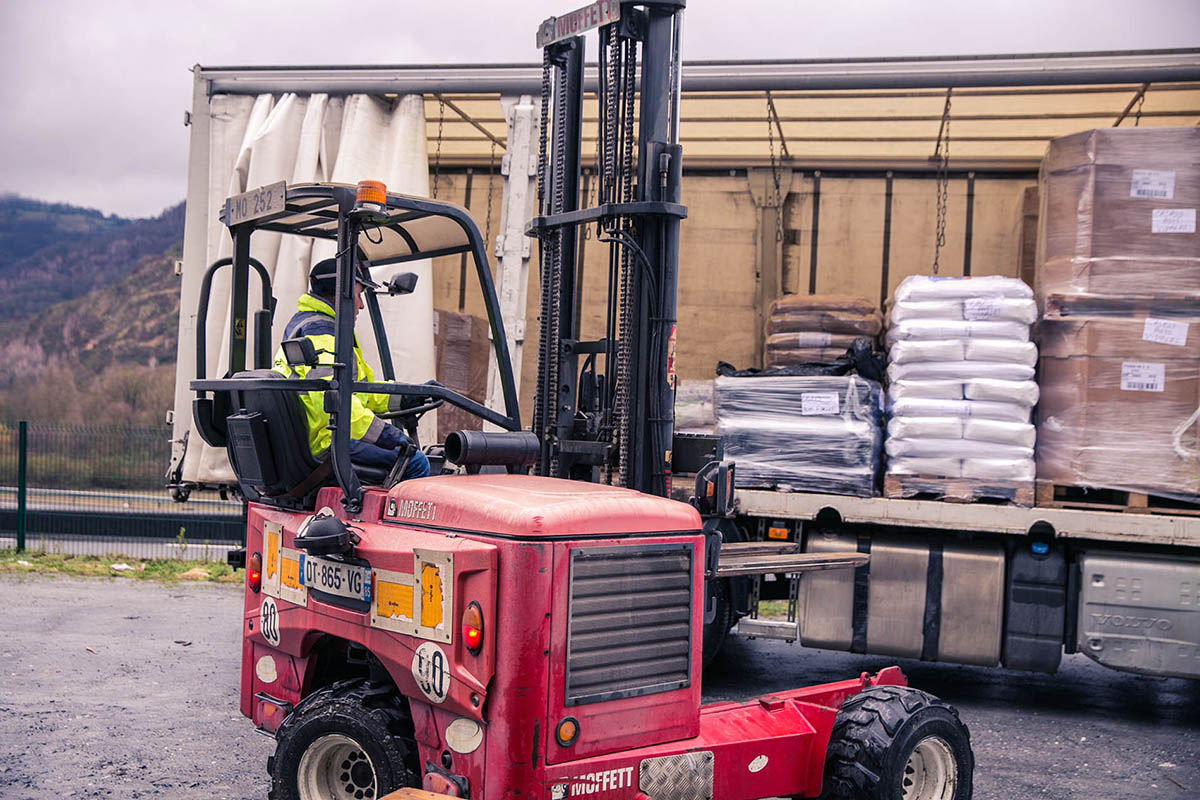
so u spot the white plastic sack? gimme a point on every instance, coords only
(929, 389)
(932, 287)
(961, 370)
(925, 427)
(1000, 350)
(985, 409)
(925, 309)
(957, 329)
(1017, 309)
(1022, 393)
(953, 448)
(975, 308)
(1008, 469)
(1020, 434)
(927, 467)
(928, 350)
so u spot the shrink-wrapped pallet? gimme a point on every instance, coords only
(961, 379)
(802, 433)
(1121, 403)
(817, 329)
(1118, 218)
(694, 411)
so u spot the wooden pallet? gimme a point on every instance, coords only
(1056, 495)
(958, 490)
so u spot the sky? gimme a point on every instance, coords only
(94, 93)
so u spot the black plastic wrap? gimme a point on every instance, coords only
(814, 433)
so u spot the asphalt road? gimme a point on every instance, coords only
(129, 690)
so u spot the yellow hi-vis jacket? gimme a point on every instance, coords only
(314, 321)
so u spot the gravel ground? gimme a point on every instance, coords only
(124, 690)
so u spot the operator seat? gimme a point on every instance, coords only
(268, 446)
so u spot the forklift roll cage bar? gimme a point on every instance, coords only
(409, 229)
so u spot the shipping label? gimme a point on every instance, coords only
(1173, 220)
(1142, 376)
(1165, 331)
(1156, 184)
(982, 307)
(819, 403)
(813, 339)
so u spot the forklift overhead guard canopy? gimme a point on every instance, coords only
(408, 227)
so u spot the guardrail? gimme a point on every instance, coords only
(100, 490)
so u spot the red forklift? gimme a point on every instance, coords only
(532, 619)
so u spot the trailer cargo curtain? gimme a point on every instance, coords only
(303, 138)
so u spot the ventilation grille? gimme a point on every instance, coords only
(629, 621)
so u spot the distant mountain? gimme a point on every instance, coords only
(50, 253)
(27, 226)
(134, 320)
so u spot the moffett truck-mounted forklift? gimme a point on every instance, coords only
(486, 632)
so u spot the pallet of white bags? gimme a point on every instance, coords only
(958, 490)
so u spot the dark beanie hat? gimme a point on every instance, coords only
(322, 278)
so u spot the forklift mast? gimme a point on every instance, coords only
(604, 407)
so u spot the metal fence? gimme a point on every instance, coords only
(99, 490)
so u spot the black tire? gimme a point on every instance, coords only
(716, 631)
(368, 729)
(897, 743)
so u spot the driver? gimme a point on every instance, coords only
(373, 441)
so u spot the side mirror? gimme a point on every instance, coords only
(403, 283)
(300, 352)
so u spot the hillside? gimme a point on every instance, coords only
(133, 320)
(51, 253)
(88, 323)
(27, 226)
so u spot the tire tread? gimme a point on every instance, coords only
(864, 731)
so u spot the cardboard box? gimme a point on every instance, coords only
(1118, 213)
(1026, 234)
(462, 350)
(1114, 394)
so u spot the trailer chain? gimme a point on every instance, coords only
(437, 153)
(487, 225)
(941, 154)
(777, 199)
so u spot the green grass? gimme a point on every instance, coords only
(773, 608)
(163, 570)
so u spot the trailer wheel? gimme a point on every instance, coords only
(344, 742)
(897, 743)
(717, 631)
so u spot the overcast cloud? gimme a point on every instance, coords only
(94, 92)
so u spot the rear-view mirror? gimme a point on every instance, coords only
(403, 283)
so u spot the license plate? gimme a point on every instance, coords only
(334, 577)
(260, 202)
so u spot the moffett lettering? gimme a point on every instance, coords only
(606, 781)
(416, 509)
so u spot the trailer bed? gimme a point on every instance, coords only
(1067, 523)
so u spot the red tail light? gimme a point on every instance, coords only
(472, 628)
(254, 572)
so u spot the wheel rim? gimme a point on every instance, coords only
(931, 772)
(335, 767)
